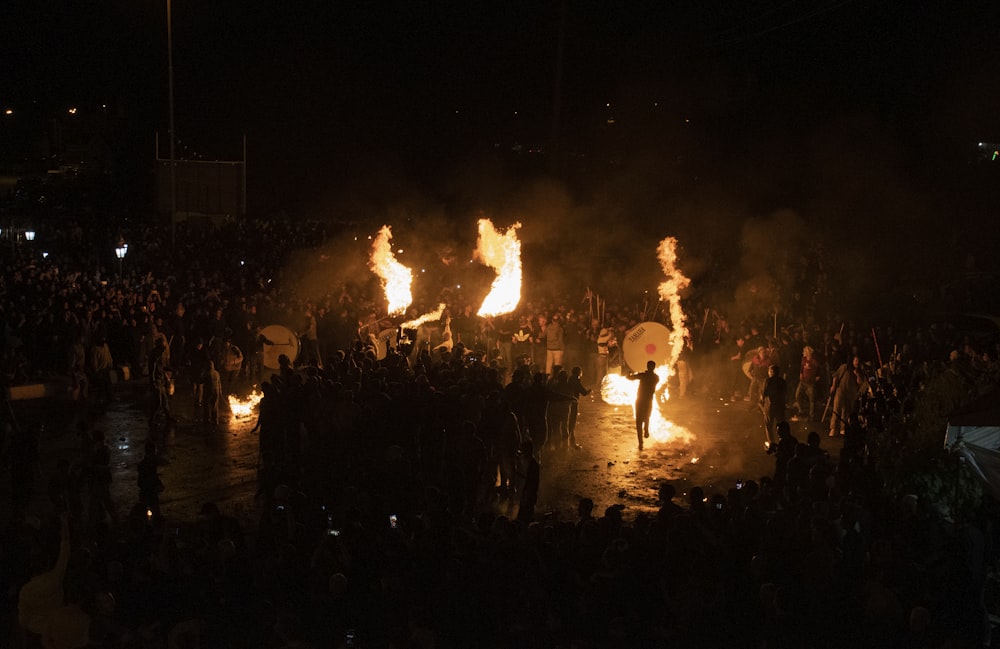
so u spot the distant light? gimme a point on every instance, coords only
(995, 154)
(104, 105)
(422, 270)
(242, 262)
(656, 104)
(458, 286)
(608, 105)
(687, 121)
(980, 144)
(29, 235)
(9, 111)
(72, 111)
(45, 255)
(399, 252)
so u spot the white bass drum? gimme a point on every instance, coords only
(283, 341)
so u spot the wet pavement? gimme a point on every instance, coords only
(715, 443)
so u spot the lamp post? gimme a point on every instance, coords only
(173, 162)
(120, 251)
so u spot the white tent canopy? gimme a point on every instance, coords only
(974, 431)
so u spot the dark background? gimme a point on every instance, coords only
(746, 129)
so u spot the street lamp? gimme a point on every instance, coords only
(120, 251)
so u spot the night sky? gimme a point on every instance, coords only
(841, 111)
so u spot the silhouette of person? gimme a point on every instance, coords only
(772, 402)
(577, 390)
(530, 479)
(648, 381)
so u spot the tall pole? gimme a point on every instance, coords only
(173, 163)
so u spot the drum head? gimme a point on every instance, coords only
(283, 341)
(647, 341)
(385, 340)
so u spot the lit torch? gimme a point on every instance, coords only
(396, 278)
(501, 252)
(670, 292)
(433, 316)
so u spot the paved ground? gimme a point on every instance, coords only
(713, 444)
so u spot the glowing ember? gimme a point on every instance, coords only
(430, 317)
(669, 291)
(619, 391)
(502, 252)
(241, 407)
(396, 278)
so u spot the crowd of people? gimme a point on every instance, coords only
(397, 483)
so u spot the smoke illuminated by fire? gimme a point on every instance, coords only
(620, 391)
(241, 407)
(502, 252)
(428, 317)
(396, 278)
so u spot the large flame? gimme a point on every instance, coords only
(670, 292)
(502, 252)
(244, 407)
(428, 317)
(396, 278)
(618, 390)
